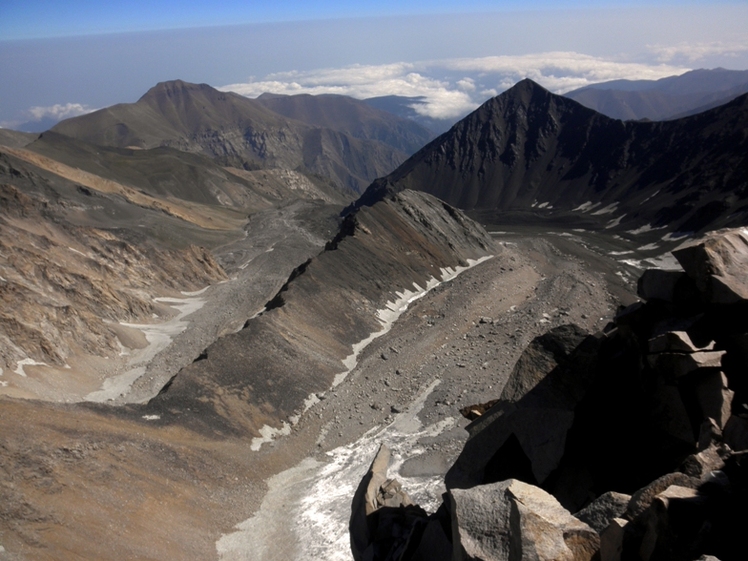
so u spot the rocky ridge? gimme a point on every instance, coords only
(647, 437)
(329, 307)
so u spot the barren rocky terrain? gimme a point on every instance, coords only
(225, 401)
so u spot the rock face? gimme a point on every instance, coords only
(717, 264)
(642, 427)
(531, 153)
(533, 414)
(513, 520)
(63, 286)
(263, 374)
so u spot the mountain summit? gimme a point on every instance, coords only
(235, 131)
(529, 150)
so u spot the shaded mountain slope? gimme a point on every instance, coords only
(235, 131)
(351, 116)
(16, 139)
(667, 98)
(263, 374)
(530, 151)
(166, 172)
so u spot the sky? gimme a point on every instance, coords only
(61, 59)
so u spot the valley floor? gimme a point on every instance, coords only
(96, 482)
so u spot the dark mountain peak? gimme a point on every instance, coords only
(531, 153)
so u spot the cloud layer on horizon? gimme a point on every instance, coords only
(453, 87)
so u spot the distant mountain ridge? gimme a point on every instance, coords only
(352, 116)
(530, 151)
(667, 98)
(235, 131)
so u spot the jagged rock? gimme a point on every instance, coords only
(434, 545)
(658, 284)
(514, 520)
(735, 433)
(675, 342)
(717, 263)
(612, 540)
(714, 397)
(383, 518)
(701, 464)
(523, 434)
(709, 433)
(600, 512)
(672, 512)
(641, 500)
(675, 365)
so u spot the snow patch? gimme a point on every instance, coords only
(307, 508)
(644, 229)
(648, 247)
(151, 417)
(586, 207)
(394, 310)
(158, 336)
(615, 222)
(544, 205)
(27, 362)
(268, 434)
(610, 209)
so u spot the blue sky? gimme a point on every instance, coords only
(59, 59)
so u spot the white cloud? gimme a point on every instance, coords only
(453, 87)
(59, 111)
(694, 52)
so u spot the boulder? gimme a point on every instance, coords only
(676, 342)
(735, 433)
(513, 520)
(612, 540)
(714, 397)
(717, 263)
(600, 512)
(382, 515)
(702, 464)
(658, 284)
(672, 520)
(524, 433)
(675, 365)
(641, 500)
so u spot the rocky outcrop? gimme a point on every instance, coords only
(640, 430)
(513, 520)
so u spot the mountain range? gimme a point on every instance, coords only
(529, 154)
(201, 345)
(245, 133)
(667, 98)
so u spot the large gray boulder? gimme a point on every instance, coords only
(512, 520)
(718, 264)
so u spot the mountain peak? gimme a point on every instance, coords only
(174, 88)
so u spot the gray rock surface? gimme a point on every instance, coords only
(513, 520)
(600, 512)
(717, 263)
